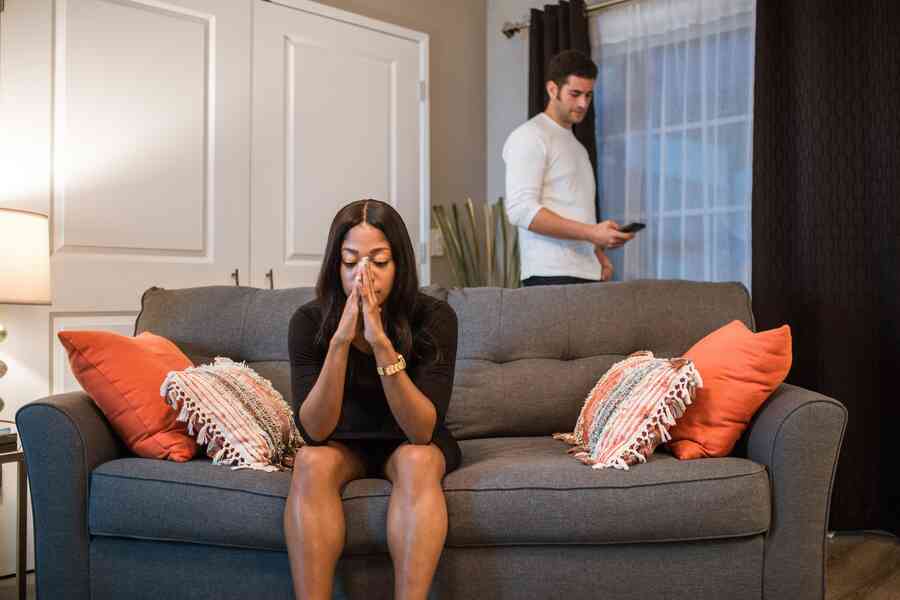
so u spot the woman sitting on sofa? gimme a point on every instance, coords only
(372, 362)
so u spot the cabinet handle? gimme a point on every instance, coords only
(236, 275)
(271, 277)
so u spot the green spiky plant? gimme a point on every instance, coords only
(479, 257)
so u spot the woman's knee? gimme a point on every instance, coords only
(316, 466)
(416, 464)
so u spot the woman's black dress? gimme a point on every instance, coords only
(366, 423)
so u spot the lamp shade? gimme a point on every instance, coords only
(24, 257)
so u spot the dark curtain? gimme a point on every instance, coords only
(558, 27)
(826, 209)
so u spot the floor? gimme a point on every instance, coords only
(863, 566)
(860, 567)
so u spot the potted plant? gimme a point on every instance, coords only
(479, 256)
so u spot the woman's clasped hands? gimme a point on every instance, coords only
(362, 301)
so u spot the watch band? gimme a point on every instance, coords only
(394, 368)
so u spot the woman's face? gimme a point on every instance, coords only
(362, 241)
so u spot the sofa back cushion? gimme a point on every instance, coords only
(241, 323)
(526, 358)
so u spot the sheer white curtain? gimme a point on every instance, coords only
(674, 103)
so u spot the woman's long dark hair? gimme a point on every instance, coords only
(401, 302)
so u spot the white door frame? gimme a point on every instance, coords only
(421, 39)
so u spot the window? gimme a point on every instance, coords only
(674, 104)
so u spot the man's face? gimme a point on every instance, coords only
(572, 101)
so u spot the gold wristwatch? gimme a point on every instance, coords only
(394, 368)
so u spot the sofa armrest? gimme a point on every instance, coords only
(797, 435)
(64, 438)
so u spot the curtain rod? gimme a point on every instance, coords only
(511, 29)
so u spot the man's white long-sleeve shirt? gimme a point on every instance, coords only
(547, 167)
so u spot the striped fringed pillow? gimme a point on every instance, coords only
(628, 413)
(241, 418)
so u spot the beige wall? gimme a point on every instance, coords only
(506, 105)
(456, 29)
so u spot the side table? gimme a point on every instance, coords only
(18, 456)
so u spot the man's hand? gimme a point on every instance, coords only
(606, 264)
(606, 235)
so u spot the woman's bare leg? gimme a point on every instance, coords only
(314, 525)
(417, 517)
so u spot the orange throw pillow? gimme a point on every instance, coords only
(740, 370)
(123, 375)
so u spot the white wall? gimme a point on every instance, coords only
(507, 83)
(25, 184)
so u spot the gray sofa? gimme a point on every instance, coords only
(526, 520)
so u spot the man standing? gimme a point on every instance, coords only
(550, 185)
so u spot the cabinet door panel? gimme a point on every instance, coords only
(151, 148)
(337, 116)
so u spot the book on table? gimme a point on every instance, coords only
(9, 440)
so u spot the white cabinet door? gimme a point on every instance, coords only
(339, 113)
(150, 150)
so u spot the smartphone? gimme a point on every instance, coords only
(632, 227)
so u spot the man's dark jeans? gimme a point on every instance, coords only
(556, 280)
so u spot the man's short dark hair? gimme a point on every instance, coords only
(570, 62)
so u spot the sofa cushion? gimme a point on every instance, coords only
(203, 321)
(528, 357)
(529, 491)
(507, 491)
(240, 323)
